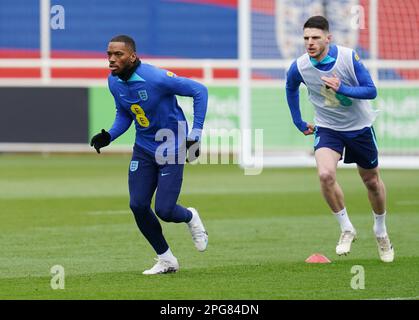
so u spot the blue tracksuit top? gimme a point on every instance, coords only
(148, 98)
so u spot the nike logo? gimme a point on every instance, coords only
(165, 174)
(374, 161)
(122, 95)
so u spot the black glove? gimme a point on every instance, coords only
(194, 153)
(100, 140)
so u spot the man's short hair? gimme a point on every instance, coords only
(129, 42)
(317, 22)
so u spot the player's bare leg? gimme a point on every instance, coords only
(377, 197)
(327, 160)
(375, 187)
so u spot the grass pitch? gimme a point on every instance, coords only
(73, 211)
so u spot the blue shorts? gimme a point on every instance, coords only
(146, 176)
(358, 146)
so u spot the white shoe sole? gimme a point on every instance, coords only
(168, 271)
(345, 253)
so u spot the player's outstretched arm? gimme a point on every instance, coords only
(199, 93)
(294, 80)
(186, 87)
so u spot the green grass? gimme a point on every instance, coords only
(73, 211)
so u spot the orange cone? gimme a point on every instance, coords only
(317, 258)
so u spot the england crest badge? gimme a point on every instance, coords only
(133, 166)
(143, 95)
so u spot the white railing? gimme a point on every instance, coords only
(206, 65)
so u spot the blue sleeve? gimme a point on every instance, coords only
(366, 88)
(181, 86)
(294, 80)
(121, 123)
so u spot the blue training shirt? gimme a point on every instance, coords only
(148, 98)
(365, 90)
